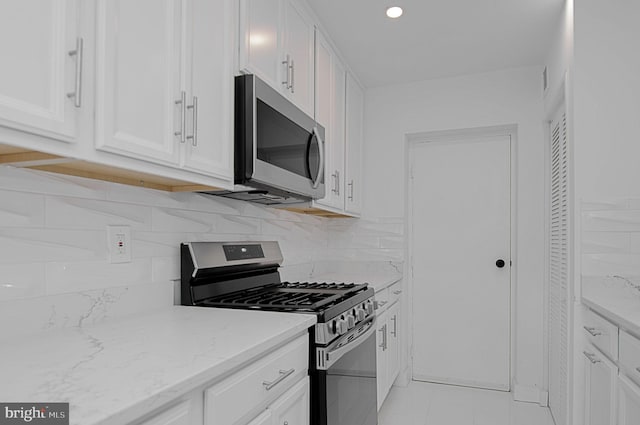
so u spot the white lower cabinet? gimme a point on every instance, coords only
(273, 390)
(628, 402)
(612, 373)
(388, 349)
(290, 409)
(600, 388)
(293, 407)
(242, 397)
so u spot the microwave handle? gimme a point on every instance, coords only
(318, 179)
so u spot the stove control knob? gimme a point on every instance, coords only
(369, 307)
(360, 314)
(351, 321)
(343, 326)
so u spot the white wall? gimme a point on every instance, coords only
(492, 99)
(607, 99)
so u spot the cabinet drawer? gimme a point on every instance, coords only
(630, 355)
(243, 394)
(395, 291)
(601, 333)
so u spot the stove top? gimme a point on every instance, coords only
(298, 296)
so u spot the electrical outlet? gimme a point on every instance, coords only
(119, 239)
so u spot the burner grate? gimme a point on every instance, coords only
(304, 296)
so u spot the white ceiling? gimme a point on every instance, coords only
(438, 38)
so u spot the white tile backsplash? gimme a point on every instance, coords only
(610, 238)
(54, 260)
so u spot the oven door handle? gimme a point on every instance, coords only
(334, 354)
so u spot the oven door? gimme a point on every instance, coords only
(344, 389)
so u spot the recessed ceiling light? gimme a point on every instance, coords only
(394, 12)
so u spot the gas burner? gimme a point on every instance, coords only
(312, 285)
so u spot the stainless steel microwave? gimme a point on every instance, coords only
(279, 150)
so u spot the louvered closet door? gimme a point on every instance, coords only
(558, 308)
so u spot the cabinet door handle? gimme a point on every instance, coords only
(183, 116)
(592, 331)
(293, 70)
(395, 326)
(397, 292)
(286, 72)
(76, 95)
(336, 181)
(385, 338)
(592, 357)
(351, 190)
(282, 377)
(194, 135)
(381, 330)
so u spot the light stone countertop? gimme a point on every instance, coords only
(120, 369)
(614, 299)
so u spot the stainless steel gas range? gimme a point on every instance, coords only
(342, 365)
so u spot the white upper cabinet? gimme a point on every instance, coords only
(138, 65)
(260, 43)
(164, 82)
(40, 70)
(209, 76)
(299, 56)
(354, 142)
(277, 44)
(330, 113)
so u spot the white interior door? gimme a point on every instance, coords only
(461, 209)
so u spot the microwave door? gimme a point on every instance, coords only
(287, 155)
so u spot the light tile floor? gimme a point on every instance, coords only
(422, 403)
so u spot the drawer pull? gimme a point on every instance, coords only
(592, 331)
(592, 357)
(282, 377)
(379, 304)
(397, 292)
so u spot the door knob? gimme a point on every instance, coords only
(500, 263)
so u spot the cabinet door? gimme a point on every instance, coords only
(354, 132)
(330, 86)
(177, 415)
(138, 63)
(629, 402)
(299, 50)
(381, 357)
(293, 408)
(260, 40)
(37, 70)
(393, 350)
(209, 140)
(600, 388)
